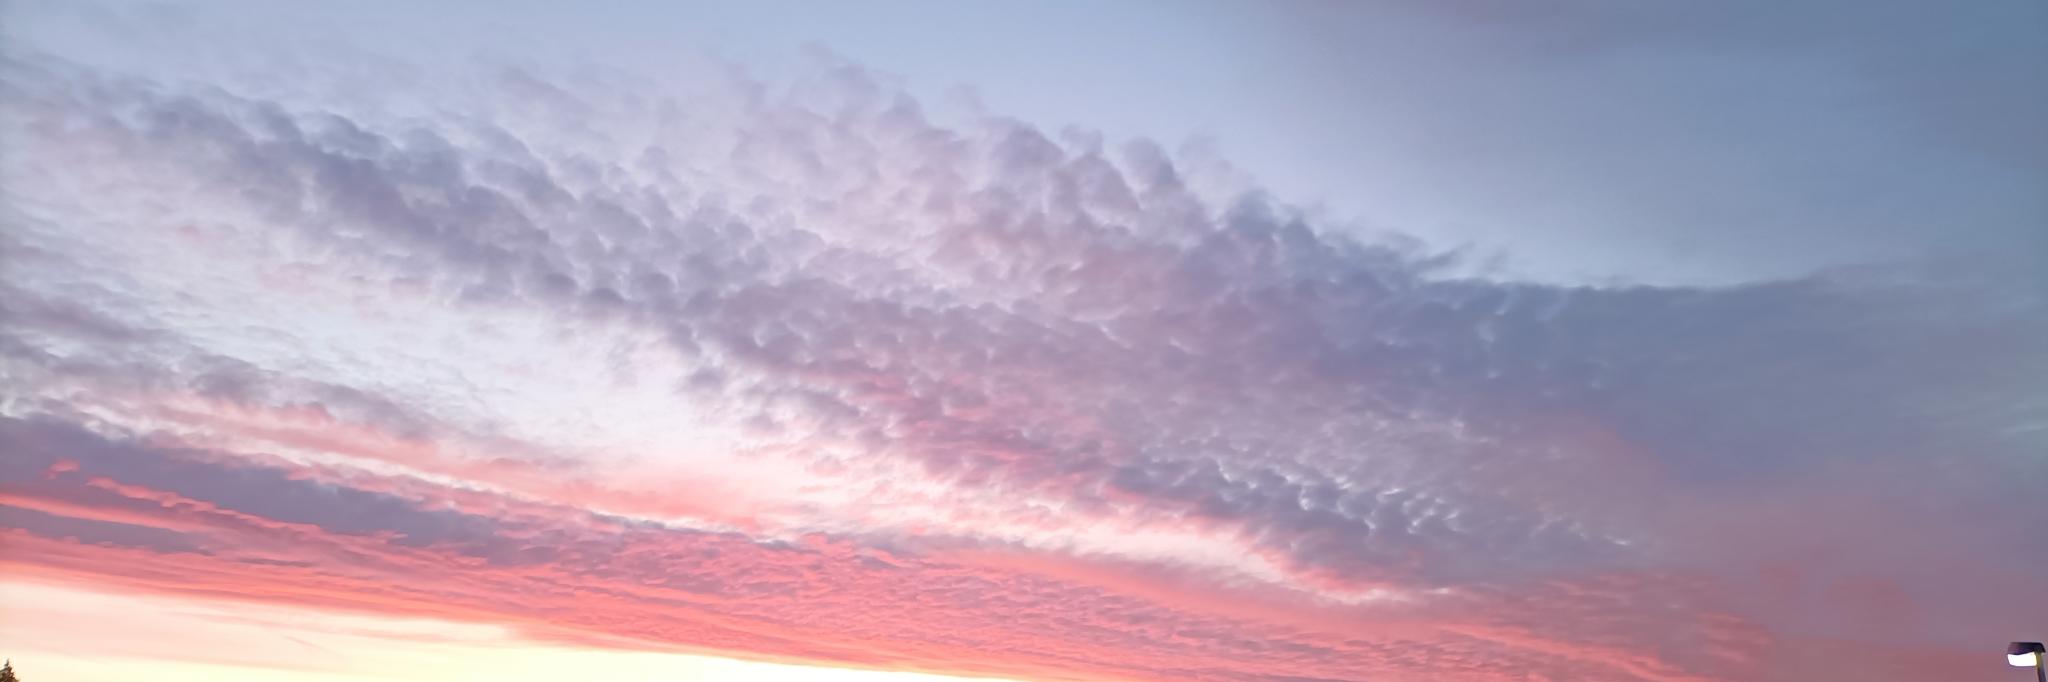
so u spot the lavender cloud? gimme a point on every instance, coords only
(1038, 329)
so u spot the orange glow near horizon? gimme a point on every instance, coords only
(73, 633)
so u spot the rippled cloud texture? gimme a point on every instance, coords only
(815, 370)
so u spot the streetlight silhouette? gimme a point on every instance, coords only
(2028, 655)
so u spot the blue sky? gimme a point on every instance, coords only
(1664, 142)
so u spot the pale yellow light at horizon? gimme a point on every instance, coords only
(73, 633)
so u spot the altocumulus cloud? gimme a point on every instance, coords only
(798, 369)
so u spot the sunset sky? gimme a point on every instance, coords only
(1132, 341)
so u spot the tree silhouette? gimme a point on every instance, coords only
(7, 672)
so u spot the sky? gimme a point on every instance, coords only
(1029, 341)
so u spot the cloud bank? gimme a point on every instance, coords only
(803, 371)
